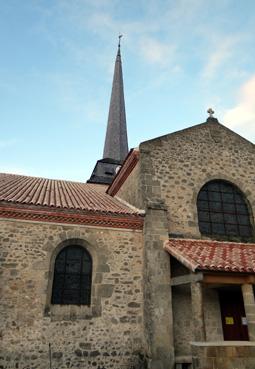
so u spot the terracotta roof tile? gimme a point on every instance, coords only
(213, 255)
(19, 189)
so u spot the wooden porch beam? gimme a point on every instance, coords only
(228, 279)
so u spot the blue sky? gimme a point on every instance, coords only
(57, 57)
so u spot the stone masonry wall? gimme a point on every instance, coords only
(182, 319)
(184, 161)
(224, 356)
(130, 191)
(109, 334)
(212, 315)
(173, 170)
(182, 314)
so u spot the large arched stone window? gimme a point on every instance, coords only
(72, 277)
(222, 210)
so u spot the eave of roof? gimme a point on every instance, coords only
(213, 256)
(134, 222)
(127, 167)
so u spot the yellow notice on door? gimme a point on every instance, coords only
(229, 320)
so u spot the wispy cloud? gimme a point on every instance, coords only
(242, 116)
(8, 143)
(5, 168)
(82, 107)
(156, 52)
(223, 50)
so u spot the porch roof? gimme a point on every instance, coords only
(207, 255)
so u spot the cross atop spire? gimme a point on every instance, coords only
(118, 53)
(119, 41)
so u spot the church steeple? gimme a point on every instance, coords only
(116, 142)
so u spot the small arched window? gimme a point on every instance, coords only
(222, 210)
(72, 277)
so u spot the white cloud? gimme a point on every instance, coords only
(242, 116)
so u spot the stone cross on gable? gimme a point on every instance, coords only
(210, 111)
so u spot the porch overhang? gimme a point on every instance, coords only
(213, 264)
(209, 256)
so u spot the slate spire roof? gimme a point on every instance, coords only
(116, 141)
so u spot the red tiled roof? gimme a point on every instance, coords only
(19, 189)
(213, 255)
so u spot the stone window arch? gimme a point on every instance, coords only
(223, 211)
(72, 276)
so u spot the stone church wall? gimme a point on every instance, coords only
(173, 168)
(213, 324)
(182, 162)
(130, 191)
(183, 328)
(109, 334)
(182, 320)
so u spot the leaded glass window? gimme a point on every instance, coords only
(72, 277)
(222, 210)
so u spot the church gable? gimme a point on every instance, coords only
(212, 129)
(177, 166)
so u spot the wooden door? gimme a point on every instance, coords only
(234, 322)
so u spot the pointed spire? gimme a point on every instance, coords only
(116, 142)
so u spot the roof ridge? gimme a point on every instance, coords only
(39, 177)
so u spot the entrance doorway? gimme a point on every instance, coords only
(234, 321)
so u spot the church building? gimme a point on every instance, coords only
(148, 265)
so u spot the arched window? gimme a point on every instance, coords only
(222, 210)
(72, 277)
